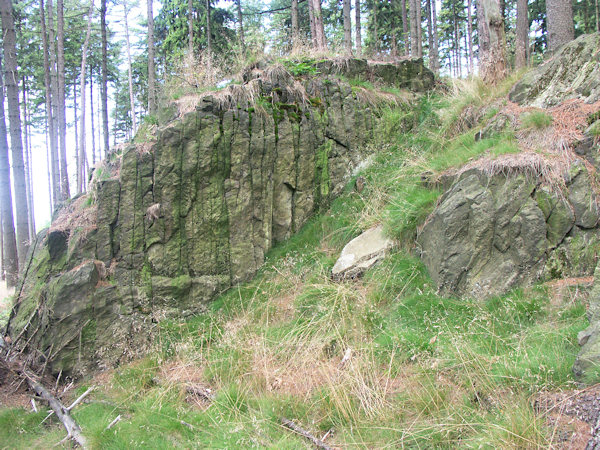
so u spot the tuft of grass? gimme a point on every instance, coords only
(536, 120)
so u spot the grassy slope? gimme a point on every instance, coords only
(424, 370)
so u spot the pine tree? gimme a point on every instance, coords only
(14, 117)
(492, 41)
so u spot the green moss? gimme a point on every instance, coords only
(322, 179)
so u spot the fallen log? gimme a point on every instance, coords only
(302, 432)
(73, 430)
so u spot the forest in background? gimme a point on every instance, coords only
(85, 76)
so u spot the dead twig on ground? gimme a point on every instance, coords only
(302, 432)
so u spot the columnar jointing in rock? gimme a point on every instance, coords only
(193, 213)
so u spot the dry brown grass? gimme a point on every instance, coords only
(76, 215)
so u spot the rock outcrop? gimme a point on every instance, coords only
(573, 72)
(492, 232)
(174, 221)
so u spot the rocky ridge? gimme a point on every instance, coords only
(175, 220)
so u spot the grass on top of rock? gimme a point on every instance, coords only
(379, 361)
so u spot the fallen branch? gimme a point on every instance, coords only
(73, 430)
(302, 432)
(110, 425)
(73, 405)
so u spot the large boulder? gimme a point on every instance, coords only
(492, 232)
(573, 72)
(173, 221)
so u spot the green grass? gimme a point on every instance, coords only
(537, 120)
(425, 371)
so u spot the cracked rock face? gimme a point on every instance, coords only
(490, 234)
(191, 214)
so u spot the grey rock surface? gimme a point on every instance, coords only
(361, 253)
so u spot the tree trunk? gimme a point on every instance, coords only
(54, 89)
(404, 27)
(419, 29)
(104, 84)
(92, 118)
(492, 41)
(241, 25)
(430, 36)
(55, 185)
(10, 260)
(311, 18)
(347, 26)
(375, 29)
(62, 120)
(295, 28)
(129, 74)
(27, 161)
(560, 23)
(435, 54)
(414, 38)
(75, 120)
(358, 27)
(319, 27)
(597, 17)
(522, 41)
(209, 49)
(80, 173)
(48, 165)
(190, 28)
(14, 118)
(470, 34)
(151, 68)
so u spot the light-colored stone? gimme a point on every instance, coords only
(361, 253)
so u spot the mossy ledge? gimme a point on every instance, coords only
(173, 221)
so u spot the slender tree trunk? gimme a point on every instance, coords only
(80, 176)
(48, 166)
(346, 6)
(414, 34)
(241, 25)
(470, 34)
(129, 74)
(75, 120)
(492, 41)
(404, 18)
(93, 133)
(319, 26)
(375, 28)
(394, 31)
(435, 48)
(14, 118)
(358, 27)
(10, 260)
(27, 161)
(62, 195)
(190, 27)
(597, 17)
(55, 185)
(311, 18)
(560, 23)
(104, 83)
(430, 36)
(419, 29)
(209, 49)
(295, 27)
(151, 68)
(62, 120)
(522, 41)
